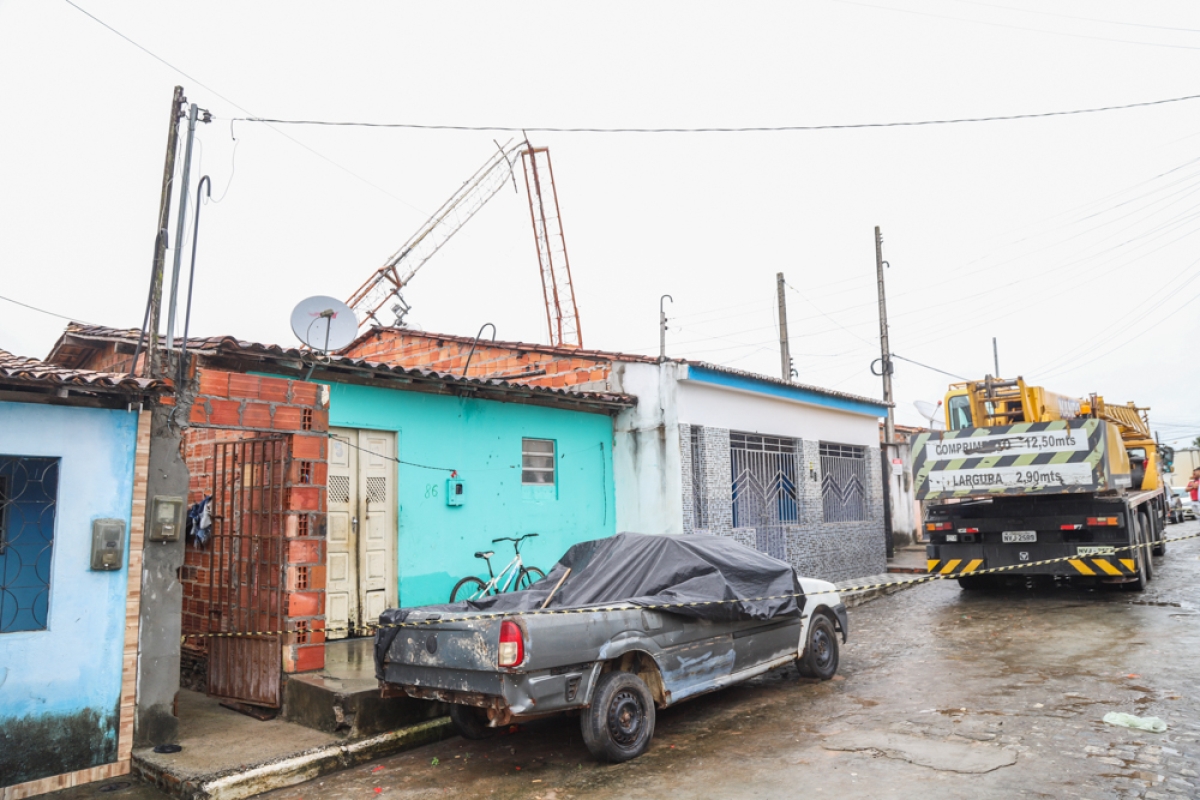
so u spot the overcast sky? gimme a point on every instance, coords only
(1072, 239)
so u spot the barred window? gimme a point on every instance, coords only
(843, 482)
(699, 504)
(537, 462)
(28, 501)
(764, 492)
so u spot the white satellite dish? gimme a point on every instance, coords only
(933, 413)
(324, 323)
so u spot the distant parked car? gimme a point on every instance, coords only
(1181, 505)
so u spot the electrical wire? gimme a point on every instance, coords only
(1082, 19)
(44, 311)
(740, 129)
(205, 86)
(1014, 27)
(926, 366)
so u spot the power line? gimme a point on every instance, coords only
(1083, 19)
(44, 311)
(203, 85)
(744, 129)
(1016, 27)
(926, 366)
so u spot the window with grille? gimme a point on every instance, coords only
(699, 503)
(764, 492)
(28, 502)
(843, 482)
(537, 462)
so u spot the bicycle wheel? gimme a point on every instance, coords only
(528, 577)
(469, 588)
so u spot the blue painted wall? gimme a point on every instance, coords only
(482, 440)
(60, 687)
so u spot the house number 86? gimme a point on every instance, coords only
(431, 490)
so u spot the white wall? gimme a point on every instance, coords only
(646, 458)
(721, 407)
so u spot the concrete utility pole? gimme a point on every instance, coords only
(154, 305)
(996, 356)
(785, 354)
(886, 352)
(181, 220)
(662, 327)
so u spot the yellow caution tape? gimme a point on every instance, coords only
(938, 576)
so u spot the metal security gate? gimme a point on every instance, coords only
(843, 482)
(764, 488)
(248, 569)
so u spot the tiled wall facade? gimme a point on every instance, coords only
(816, 548)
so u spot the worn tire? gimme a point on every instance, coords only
(470, 722)
(620, 721)
(820, 657)
(979, 583)
(1138, 584)
(528, 577)
(467, 588)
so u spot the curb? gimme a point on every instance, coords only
(291, 770)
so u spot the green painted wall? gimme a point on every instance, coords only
(482, 440)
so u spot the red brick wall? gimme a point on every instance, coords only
(400, 348)
(232, 406)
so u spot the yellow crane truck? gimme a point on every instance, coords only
(1023, 475)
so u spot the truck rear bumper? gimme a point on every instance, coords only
(1092, 561)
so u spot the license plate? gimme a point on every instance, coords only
(1019, 536)
(1095, 551)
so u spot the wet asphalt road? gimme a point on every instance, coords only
(933, 681)
(941, 694)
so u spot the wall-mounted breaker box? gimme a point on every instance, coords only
(108, 544)
(456, 491)
(166, 523)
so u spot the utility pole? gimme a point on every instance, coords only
(996, 357)
(785, 354)
(889, 425)
(662, 327)
(154, 309)
(181, 220)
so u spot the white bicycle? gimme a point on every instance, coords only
(515, 576)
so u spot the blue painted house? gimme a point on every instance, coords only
(70, 444)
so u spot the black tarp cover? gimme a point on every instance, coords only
(646, 570)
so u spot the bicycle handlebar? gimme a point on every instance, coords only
(512, 539)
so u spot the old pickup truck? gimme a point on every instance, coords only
(620, 627)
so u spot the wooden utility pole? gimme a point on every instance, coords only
(889, 425)
(154, 311)
(785, 355)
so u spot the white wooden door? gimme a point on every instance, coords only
(377, 541)
(341, 561)
(361, 496)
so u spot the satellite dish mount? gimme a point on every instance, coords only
(323, 324)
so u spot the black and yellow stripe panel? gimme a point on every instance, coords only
(1104, 566)
(952, 566)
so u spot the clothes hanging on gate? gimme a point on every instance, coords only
(198, 528)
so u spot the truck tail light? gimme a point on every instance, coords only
(1102, 521)
(1070, 527)
(938, 526)
(512, 644)
(968, 530)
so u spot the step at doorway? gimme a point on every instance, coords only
(360, 579)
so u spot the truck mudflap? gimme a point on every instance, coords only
(1093, 561)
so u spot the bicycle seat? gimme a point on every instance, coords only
(487, 554)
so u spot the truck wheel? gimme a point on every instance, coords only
(820, 656)
(1142, 555)
(619, 723)
(978, 583)
(470, 722)
(469, 588)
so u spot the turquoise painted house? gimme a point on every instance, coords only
(426, 469)
(70, 442)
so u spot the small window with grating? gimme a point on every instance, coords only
(537, 462)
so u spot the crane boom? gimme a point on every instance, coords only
(387, 281)
(562, 314)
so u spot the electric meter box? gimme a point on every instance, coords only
(166, 522)
(456, 491)
(108, 544)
